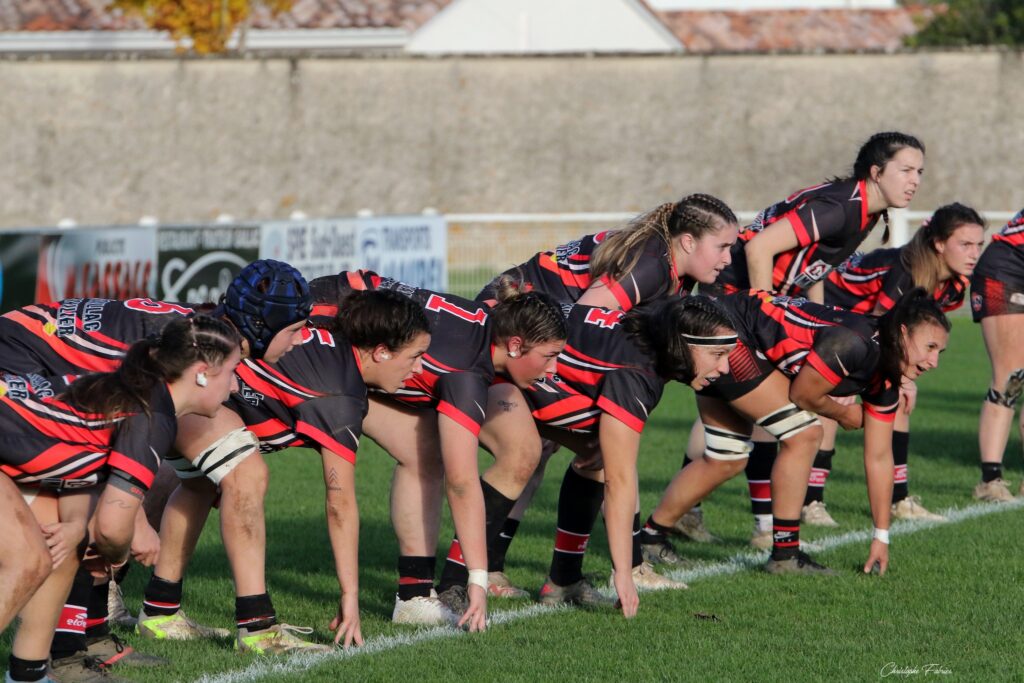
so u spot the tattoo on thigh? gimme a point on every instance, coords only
(332, 481)
(507, 406)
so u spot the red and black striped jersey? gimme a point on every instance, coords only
(1012, 232)
(78, 336)
(47, 441)
(600, 371)
(314, 396)
(457, 368)
(829, 221)
(564, 274)
(842, 346)
(999, 274)
(879, 278)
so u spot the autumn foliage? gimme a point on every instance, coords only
(208, 23)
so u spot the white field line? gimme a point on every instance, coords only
(273, 667)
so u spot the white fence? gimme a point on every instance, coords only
(481, 245)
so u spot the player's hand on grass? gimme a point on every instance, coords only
(346, 624)
(628, 600)
(146, 545)
(475, 618)
(879, 554)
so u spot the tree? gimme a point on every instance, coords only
(208, 23)
(973, 22)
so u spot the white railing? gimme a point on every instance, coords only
(481, 245)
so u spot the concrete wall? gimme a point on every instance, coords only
(109, 141)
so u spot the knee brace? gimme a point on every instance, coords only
(721, 444)
(219, 458)
(788, 421)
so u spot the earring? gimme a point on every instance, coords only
(513, 354)
(386, 356)
(201, 379)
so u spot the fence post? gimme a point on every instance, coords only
(899, 227)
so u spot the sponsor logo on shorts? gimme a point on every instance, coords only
(1017, 298)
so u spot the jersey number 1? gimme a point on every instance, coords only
(437, 304)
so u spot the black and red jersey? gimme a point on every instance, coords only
(997, 284)
(457, 368)
(78, 336)
(314, 396)
(1012, 232)
(830, 221)
(49, 441)
(791, 332)
(600, 371)
(877, 280)
(564, 274)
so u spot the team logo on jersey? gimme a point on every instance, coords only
(812, 274)
(251, 396)
(602, 317)
(976, 302)
(564, 251)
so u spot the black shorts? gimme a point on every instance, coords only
(997, 286)
(747, 369)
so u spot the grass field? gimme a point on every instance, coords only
(948, 607)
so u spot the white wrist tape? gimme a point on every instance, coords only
(478, 577)
(882, 535)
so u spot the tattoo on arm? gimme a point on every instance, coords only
(507, 406)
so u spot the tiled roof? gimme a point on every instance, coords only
(62, 15)
(92, 15)
(791, 30)
(403, 14)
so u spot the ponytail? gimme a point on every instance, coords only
(695, 214)
(921, 257)
(531, 315)
(159, 358)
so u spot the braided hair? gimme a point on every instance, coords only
(531, 315)
(921, 257)
(658, 331)
(695, 214)
(159, 358)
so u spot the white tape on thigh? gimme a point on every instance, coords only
(788, 421)
(217, 460)
(721, 444)
(182, 467)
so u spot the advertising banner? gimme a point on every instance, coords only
(19, 254)
(317, 247)
(108, 263)
(412, 249)
(196, 263)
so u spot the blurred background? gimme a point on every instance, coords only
(441, 141)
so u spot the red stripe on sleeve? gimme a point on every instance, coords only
(621, 414)
(119, 461)
(815, 361)
(803, 235)
(325, 441)
(454, 413)
(880, 414)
